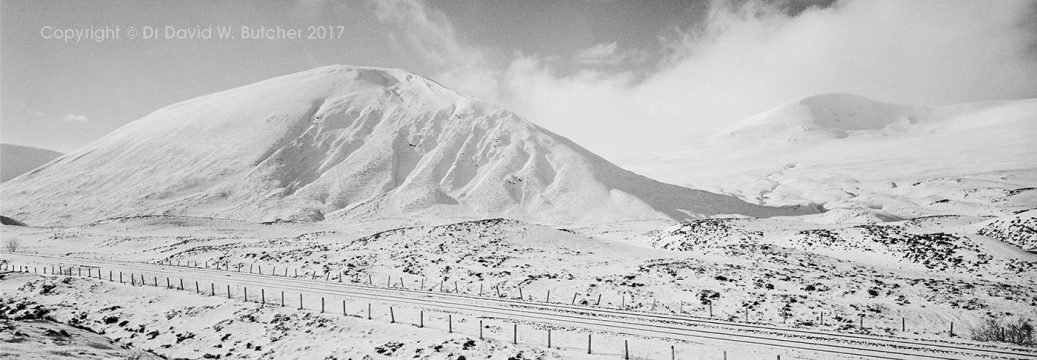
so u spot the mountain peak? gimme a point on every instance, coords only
(826, 116)
(347, 142)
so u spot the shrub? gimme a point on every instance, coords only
(1019, 332)
(11, 244)
(138, 354)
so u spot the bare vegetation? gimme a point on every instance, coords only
(1019, 332)
(11, 244)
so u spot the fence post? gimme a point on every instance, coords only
(368, 311)
(450, 323)
(903, 324)
(300, 301)
(574, 298)
(321, 304)
(599, 300)
(343, 307)
(626, 350)
(498, 290)
(480, 329)
(282, 298)
(548, 338)
(228, 291)
(521, 296)
(589, 343)
(246, 293)
(455, 288)
(548, 299)
(212, 289)
(421, 319)
(168, 284)
(392, 316)
(262, 296)
(480, 289)
(181, 283)
(120, 277)
(514, 334)
(673, 353)
(422, 284)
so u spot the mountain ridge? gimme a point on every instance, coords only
(344, 142)
(862, 155)
(19, 159)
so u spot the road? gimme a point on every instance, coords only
(673, 329)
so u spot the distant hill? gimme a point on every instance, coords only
(852, 152)
(19, 159)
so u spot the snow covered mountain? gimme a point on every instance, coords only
(19, 159)
(829, 116)
(347, 142)
(862, 156)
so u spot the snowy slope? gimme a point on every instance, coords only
(890, 160)
(19, 159)
(347, 142)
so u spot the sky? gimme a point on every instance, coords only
(629, 80)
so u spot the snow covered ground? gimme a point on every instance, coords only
(926, 273)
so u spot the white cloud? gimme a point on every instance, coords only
(76, 118)
(428, 33)
(745, 59)
(609, 54)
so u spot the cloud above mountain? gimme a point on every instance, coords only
(742, 59)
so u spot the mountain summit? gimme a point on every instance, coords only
(830, 116)
(347, 142)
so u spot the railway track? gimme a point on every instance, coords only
(595, 319)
